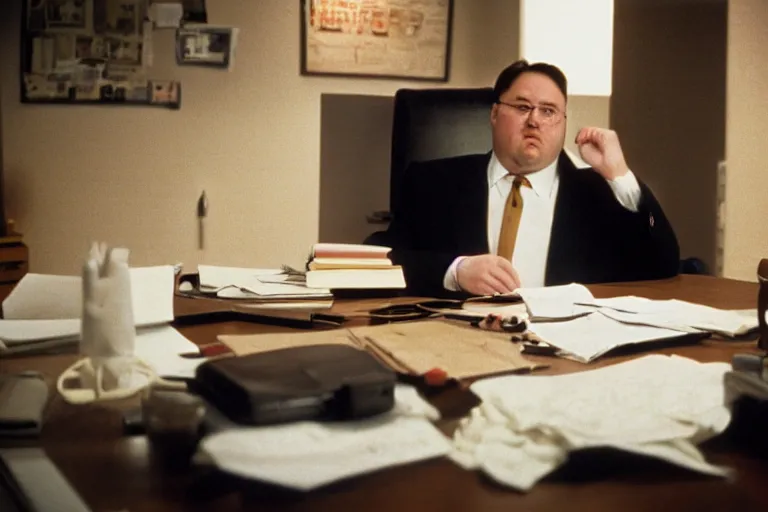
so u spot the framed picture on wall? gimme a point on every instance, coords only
(408, 39)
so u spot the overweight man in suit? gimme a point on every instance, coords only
(523, 214)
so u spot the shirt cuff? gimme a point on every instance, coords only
(450, 282)
(627, 191)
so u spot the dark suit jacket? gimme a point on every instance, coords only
(594, 239)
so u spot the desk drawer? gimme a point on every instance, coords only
(9, 253)
(13, 263)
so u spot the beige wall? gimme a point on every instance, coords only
(668, 107)
(250, 138)
(746, 217)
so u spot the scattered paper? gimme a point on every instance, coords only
(13, 332)
(51, 297)
(166, 15)
(43, 296)
(306, 455)
(679, 314)
(162, 349)
(244, 283)
(555, 302)
(588, 337)
(658, 406)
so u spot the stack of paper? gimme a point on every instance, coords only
(43, 313)
(306, 455)
(255, 284)
(658, 406)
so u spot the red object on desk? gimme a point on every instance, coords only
(436, 377)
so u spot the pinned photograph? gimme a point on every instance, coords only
(124, 52)
(65, 13)
(118, 17)
(40, 87)
(206, 46)
(89, 48)
(65, 47)
(165, 92)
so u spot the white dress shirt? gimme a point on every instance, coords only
(533, 235)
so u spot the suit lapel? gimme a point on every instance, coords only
(473, 201)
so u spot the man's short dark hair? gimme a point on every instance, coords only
(508, 76)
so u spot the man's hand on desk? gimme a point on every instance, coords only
(486, 274)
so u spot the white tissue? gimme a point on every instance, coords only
(110, 369)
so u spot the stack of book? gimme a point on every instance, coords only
(352, 266)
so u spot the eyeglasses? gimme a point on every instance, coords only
(548, 115)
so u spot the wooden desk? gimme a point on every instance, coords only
(113, 473)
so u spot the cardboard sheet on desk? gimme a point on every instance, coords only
(408, 347)
(458, 349)
(246, 344)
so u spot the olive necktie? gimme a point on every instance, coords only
(511, 220)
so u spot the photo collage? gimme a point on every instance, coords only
(90, 51)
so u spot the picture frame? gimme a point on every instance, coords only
(398, 39)
(206, 45)
(78, 52)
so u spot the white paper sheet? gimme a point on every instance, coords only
(13, 332)
(244, 283)
(307, 455)
(678, 314)
(50, 297)
(588, 337)
(551, 302)
(166, 15)
(162, 347)
(659, 406)
(159, 346)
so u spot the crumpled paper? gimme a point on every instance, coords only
(658, 406)
(305, 455)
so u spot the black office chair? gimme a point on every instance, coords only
(693, 265)
(430, 124)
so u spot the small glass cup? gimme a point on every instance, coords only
(172, 420)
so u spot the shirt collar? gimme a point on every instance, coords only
(541, 181)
